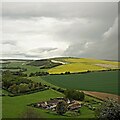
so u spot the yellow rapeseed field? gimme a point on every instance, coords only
(82, 65)
(75, 67)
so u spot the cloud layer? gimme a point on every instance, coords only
(40, 30)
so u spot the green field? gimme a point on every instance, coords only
(96, 81)
(39, 79)
(106, 82)
(24, 65)
(19, 104)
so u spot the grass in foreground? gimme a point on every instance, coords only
(13, 107)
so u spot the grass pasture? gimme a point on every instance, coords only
(19, 104)
(96, 81)
(24, 65)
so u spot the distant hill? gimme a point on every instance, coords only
(44, 63)
(74, 65)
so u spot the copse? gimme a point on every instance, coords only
(19, 85)
(74, 94)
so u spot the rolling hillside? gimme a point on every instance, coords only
(83, 65)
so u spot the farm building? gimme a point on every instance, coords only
(52, 103)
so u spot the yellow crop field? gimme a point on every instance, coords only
(75, 67)
(102, 63)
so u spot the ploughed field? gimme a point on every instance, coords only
(106, 82)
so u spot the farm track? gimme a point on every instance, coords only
(56, 61)
(102, 95)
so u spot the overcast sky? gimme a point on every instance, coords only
(40, 30)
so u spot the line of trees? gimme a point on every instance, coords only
(38, 74)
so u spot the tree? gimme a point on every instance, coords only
(109, 110)
(61, 107)
(23, 87)
(82, 96)
(14, 88)
(73, 94)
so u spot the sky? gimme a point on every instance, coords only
(44, 30)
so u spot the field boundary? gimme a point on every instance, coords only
(103, 96)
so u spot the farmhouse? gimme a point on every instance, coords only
(52, 103)
(74, 106)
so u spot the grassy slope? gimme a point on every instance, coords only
(96, 81)
(18, 104)
(23, 65)
(40, 79)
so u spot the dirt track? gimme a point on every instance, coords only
(103, 96)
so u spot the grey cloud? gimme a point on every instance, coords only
(19, 54)
(35, 53)
(106, 48)
(88, 29)
(10, 42)
(80, 9)
(40, 50)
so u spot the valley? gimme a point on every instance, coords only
(81, 74)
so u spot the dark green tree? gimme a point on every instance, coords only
(74, 94)
(14, 88)
(61, 107)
